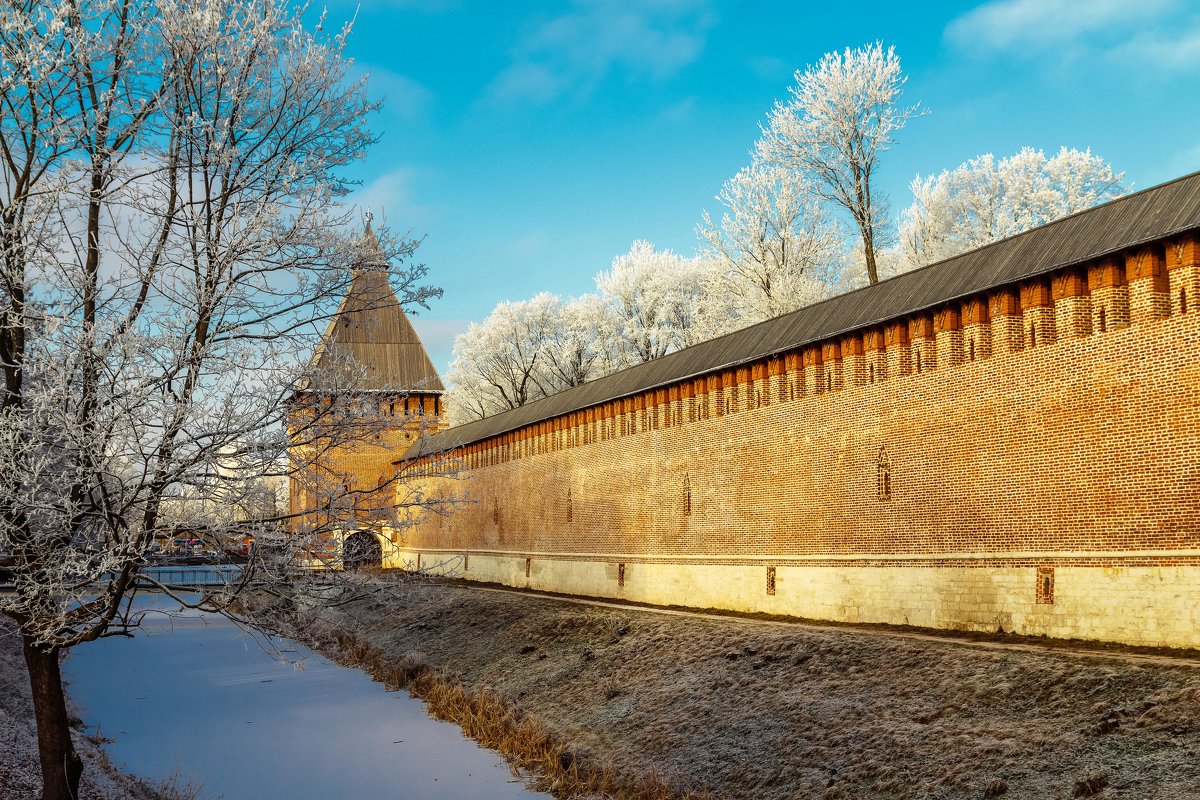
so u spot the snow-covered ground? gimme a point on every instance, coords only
(20, 777)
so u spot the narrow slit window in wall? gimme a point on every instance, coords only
(1183, 301)
(916, 355)
(1045, 585)
(528, 566)
(883, 474)
(570, 506)
(1103, 322)
(621, 575)
(971, 351)
(1033, 335)
(496, 510)
(871, 372)
(687, 494)
(771, 580)
(466, 562)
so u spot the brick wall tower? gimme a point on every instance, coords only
(371, 390)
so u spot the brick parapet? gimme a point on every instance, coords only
(947, 326)
(898, 349)
(1071, 303)
(971, 468)
(922, 343)
(1183, 274)
(1146, 275)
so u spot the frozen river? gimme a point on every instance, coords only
(197, 698)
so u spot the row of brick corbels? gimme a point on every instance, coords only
(1146, 283)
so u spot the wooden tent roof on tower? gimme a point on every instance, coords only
(370, 345)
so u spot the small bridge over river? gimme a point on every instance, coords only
(178, 577)
(190, 576)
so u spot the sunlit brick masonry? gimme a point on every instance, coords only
(1006, 440)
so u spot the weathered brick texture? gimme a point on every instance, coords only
(1051, 424)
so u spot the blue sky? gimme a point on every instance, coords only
(531, 142)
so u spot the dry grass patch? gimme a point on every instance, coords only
(744, 710)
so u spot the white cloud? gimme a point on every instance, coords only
(391, 198)
(528, 82)
(1177, 50)
(438, 335)
(1007, 24)
(576, 51)
(401, 95)
(1161, 35)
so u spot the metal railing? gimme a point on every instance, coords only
(192, 577)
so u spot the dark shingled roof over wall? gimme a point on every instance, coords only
(1127, 222)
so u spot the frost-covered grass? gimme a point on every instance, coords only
(745, 710)
(19, 773)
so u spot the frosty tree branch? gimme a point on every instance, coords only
(843, 113)
(167, 244)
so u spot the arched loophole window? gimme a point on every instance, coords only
(1033, 335)
(916, 354)
(871, 372)
(883, 474)
(1103, 321)
(971, 350)
(1045, 585)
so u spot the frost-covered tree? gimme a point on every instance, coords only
(984, 200)
(776, 246)
(168, 238)
(651, 302)
(842, 114)
(503, 362)
(657, 301)
(576, 350)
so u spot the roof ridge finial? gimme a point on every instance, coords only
(372, 258)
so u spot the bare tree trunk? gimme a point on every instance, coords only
(868, 240)
(61, 765)
(872, 266)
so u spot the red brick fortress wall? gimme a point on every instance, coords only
(1025, 459)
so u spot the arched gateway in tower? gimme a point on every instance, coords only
(370, 391)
